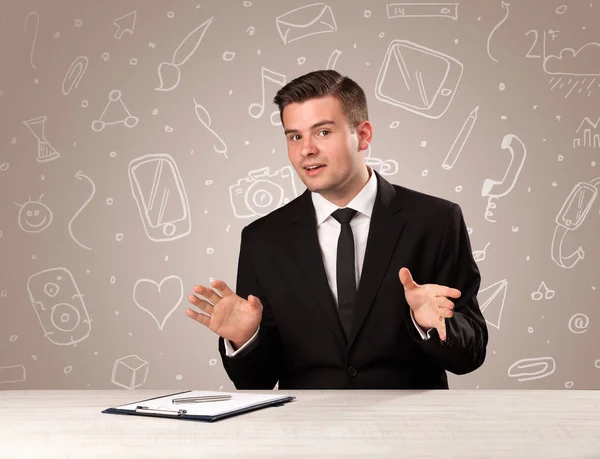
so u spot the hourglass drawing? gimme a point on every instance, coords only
(45, 151)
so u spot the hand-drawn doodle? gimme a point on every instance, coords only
(204, 117)
(45, 151)
(582, 62)
(130, 121)
(384, 167)
(479, 255)
(13, 374)
(460, 140)
(228, 55)
(160, 300)
(494, 295)
(578, 323)
(74, 74)
(536, 43)
(570, 217)
(261, 192)
(37, 24)
(545, 366)
(160, 196)
(80, 176)
(273, 77)
(562, 9)
(125, 24)
(59, 306)
(422, 10)
(34, 216)
(169, 73)
(129, 372)
(547, 293)
(502, 21)
(305, 21)
(591, 134)
(577, 65)
(418, 79)
(333, 59)
(495, 189)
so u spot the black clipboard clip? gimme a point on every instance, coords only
(145, 409)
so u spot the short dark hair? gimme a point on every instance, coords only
(321, 83)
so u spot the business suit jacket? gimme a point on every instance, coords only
(301, 343)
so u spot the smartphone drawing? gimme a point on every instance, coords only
(160, 196)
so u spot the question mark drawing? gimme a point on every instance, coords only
(35, 35)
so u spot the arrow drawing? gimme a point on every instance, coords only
(80, 175)
(125, 24)
(505, 6)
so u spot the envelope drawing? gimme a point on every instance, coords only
(305, 21)
(418, 79)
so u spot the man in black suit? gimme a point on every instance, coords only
(325, 296)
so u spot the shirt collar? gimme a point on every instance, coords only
(363, 202)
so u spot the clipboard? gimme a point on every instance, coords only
(164, 407)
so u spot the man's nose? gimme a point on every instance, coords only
(308, 147)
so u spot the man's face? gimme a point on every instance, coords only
(318, 133)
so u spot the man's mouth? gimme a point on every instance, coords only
(313, 167)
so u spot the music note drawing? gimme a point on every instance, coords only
(256, 110)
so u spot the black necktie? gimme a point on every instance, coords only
(345, 274)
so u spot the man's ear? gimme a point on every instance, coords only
(364, 130)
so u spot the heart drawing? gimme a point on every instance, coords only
(160, 300)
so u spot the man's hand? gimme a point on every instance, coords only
(229, 315)
(429, 303)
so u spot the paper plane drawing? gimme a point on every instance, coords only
(491, 300)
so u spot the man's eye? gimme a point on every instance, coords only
(294, 137)
(326, 131)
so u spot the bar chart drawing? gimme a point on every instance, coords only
(587, 134)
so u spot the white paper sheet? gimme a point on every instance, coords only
(238, 401)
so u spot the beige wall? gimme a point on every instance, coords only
(93, 288)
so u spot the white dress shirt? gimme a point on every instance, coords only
(328, 232)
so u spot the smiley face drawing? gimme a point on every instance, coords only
(34, 216)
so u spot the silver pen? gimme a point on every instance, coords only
(202, 398)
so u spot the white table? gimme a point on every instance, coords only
(416, 424)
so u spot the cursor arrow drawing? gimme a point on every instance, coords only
(125, 24)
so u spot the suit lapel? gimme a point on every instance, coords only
(307, 248)
(387, 222)
(385, 227)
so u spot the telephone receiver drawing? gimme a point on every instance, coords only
(498, 188)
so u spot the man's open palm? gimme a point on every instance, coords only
(229, 315)
(429, 302)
